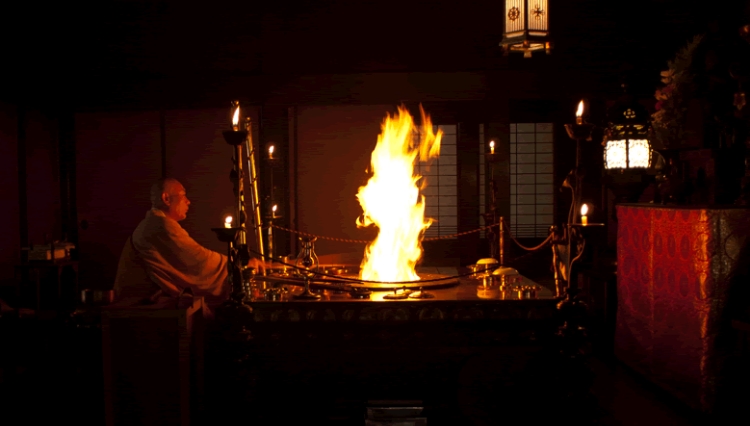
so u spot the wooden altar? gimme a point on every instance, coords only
(682, 275)
(464, 354)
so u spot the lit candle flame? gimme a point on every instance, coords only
(274, 208)
(584, 211)
(228, 222)
(579, 113)
(236, 118)
(270, 151)
(492, 147)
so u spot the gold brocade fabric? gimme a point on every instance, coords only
(677, 269)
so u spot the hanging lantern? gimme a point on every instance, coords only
(526, 27)
(627, 145)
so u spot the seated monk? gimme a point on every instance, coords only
(161, 258)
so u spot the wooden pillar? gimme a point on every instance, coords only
(468, 189)
(291, 168)
(23, 224)
(67, 170)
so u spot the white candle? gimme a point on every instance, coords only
(579, 113)
(584, 218)
(228, 222)
(236, 118)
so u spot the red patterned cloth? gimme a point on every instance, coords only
(674, 266)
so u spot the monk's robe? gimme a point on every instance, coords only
(160, 255)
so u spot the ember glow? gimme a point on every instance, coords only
(391, 199)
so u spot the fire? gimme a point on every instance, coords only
(579, 111)
(236, 118)
(391, 199)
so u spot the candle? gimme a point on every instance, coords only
(584, 218)
(270, 152)
(492, 147)
(236, 118)
(273, 211)
(228, 222)
(579, 113)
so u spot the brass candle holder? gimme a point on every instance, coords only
(307, 266)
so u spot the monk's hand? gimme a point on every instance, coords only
(258, 264)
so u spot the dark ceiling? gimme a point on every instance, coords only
(96, 50)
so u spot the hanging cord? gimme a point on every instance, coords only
(443, 237)
(346, 240)
(535, 248)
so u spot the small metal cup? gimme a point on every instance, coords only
(489, 281)
(527, 292)
(97, 297)
(273, 294)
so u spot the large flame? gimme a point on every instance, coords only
(391, 199)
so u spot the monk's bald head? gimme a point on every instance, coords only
(168, 195)
(161, 186)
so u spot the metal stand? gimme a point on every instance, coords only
(254, 194)
(491, 217)
(572, 332)
(234, 310)
(307, 265)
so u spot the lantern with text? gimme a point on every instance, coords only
(526, 27)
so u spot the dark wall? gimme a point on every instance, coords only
(334, 144)
(109, 51)
(151, 57)
(198, 156)
(119, 155)
(30, 196)
(10, 242)
(42, 178)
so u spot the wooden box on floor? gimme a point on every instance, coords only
(153, 362)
